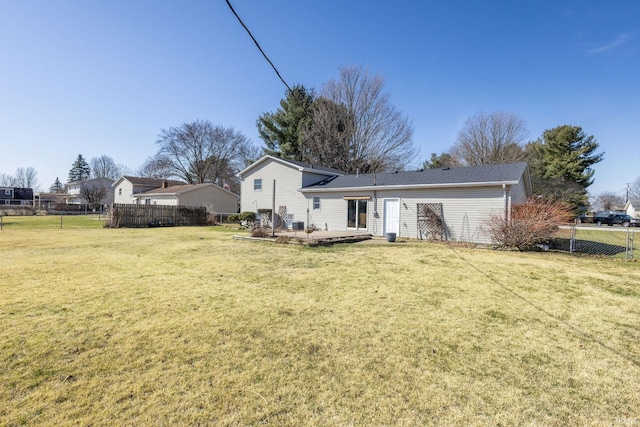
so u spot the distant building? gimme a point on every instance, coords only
(16, 196)
(73, 195)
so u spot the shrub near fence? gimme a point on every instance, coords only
(156, 216)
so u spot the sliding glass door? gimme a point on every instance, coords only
(357, 214)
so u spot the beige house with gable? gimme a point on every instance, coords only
(214, 198)
(459, 201)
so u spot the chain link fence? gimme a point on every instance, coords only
(612, 241)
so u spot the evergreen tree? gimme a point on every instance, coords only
(444, 160)
(56, 187)
(561, 164)
(282, 131)
(80, 170)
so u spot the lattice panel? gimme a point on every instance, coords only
(281, 221)
(431, 221)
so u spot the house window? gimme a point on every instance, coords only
(147, 201)
(119, 191)
(357, 214)
(316, 203)
(257, 185)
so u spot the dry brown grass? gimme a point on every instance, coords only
(185, 326)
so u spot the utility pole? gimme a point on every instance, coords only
(627, 197)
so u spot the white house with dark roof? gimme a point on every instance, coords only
(126, 187)
(454, 203)
(258, 180)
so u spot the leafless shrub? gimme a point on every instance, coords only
(283, 240)
(260, 232)
(531, 224)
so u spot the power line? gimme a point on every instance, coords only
(258, 45)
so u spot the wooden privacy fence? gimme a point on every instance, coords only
(156, 215)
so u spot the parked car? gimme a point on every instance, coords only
(611, 219)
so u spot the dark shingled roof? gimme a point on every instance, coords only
(508, 172)
(179, 189)
(151, 181)
(313, 166)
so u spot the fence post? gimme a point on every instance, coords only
(572, 240)
(60, 221)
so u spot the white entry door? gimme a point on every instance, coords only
(391, 216)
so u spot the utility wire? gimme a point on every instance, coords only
(258, 45)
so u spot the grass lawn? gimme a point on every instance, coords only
(186, 326)
(51, 222)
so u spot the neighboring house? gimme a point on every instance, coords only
(632, 208)
(458, 200)
(126, 188)
(48, 201)
(16, 196)
(73, 194)
(258, 179)
(214, 198)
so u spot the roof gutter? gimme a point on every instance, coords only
(408, 187)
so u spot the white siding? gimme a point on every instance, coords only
(518, 193)
(288, 181)
(465, 210)
(123, 196)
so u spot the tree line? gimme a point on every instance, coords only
(351, 125)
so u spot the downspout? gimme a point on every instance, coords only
(507, 203)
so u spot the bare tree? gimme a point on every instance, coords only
(328, 136)
(608, 200)
(200, 152)
(634, 189)
(105, 167)
(252, 154)
(93, 193)
(490, 139)
(154, 167)
(26, 178)
(7, 180)
(380, 138)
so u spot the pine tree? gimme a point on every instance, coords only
(281, 131)
(56, 187)
(80, 170)
(561, 164)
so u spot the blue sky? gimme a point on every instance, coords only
(95, 77)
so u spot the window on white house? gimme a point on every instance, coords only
(316, 202)
(257, 184)
(147, 201)
(119, 191)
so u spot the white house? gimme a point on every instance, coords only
(126, 188)
(454, 202)
(258, 180)
(214, 198)
(74, 196)
(632, 208)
